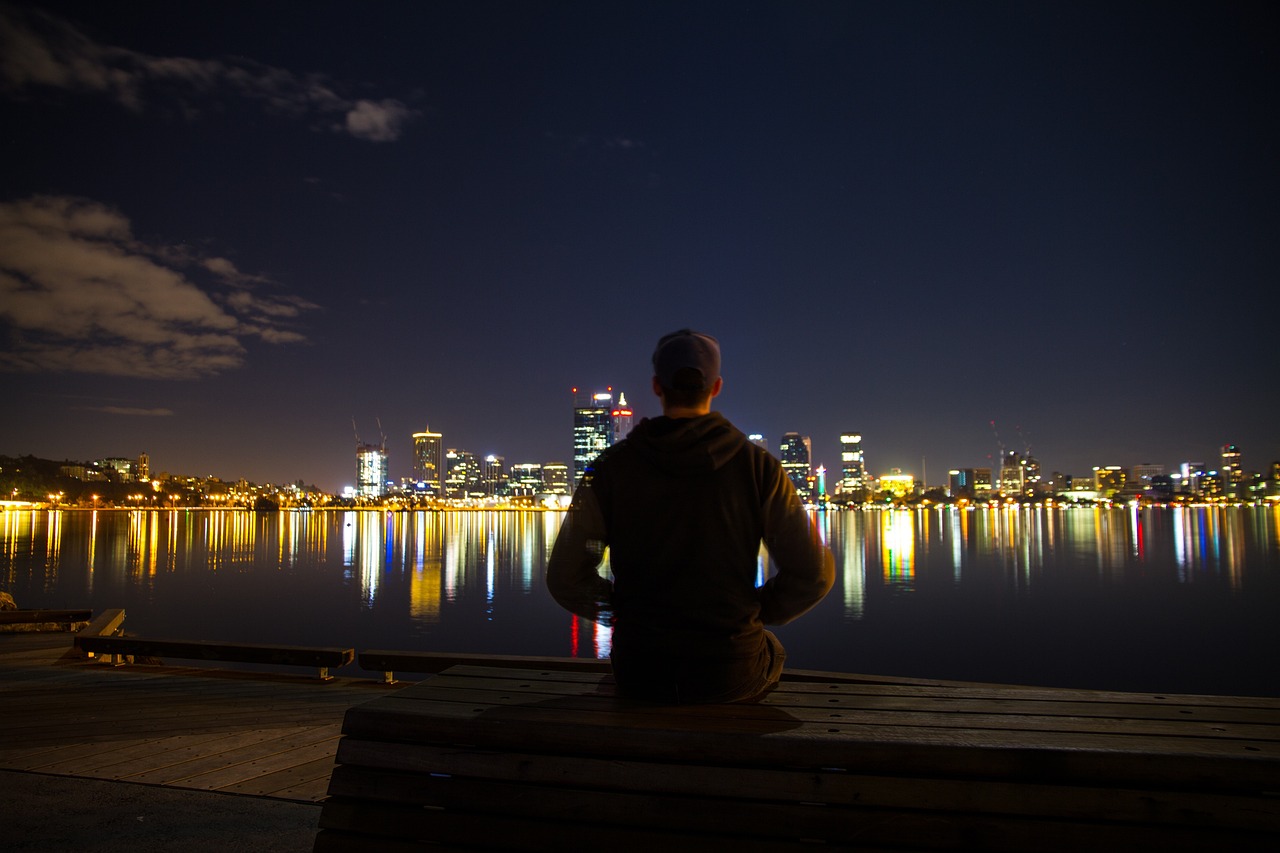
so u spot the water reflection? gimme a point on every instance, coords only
(472, 581)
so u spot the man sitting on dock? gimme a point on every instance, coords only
(682, 505)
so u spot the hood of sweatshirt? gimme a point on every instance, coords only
(687, 445)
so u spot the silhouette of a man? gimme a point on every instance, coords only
(683, 504)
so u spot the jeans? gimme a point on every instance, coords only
(686, 680)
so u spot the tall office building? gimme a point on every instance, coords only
(1013, 475)
(758, 440)
(428, 461)
(462, 474)
(795, 451)
(621, 417)
(853, 468)
(1232, 473)
(371, 470)
(593, 430)
(493, 475)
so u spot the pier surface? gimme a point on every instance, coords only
(96, 758)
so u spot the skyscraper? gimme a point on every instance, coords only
(494, 475)
(621, 417)
(795, 452)
(428, 461)
(593, 429)
(371, 470)
(462, 477)
(1232, 473)
(853, 469)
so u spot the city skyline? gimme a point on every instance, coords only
(371, 463)
(237, 227)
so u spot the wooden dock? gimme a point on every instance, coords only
(265, 734)
(518, 753)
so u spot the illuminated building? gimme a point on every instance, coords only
(1108, 481)
(1012, 475)
(371, 470)
(117, 468)
(428, 461)
(853, 469)
(493, 475)
(143, 468)
(526, 478)
(462, 474)
(593, 429)
(758, 440)
(1030, 475)
(1142, 476)
(960, 482)
(981, 483)
(795, 451)
(1191, 477)
(621, 419)
(555, 478)
(898, 484)
(1232, 473)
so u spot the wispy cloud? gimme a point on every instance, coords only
(80, 293)
(38, 50)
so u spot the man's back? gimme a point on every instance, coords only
(684, 505)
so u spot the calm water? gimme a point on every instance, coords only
(1162, 600)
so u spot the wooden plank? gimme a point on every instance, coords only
(381, 660)
(216, 650)
(234, 765)
(189, 748)
(27, 617)
(773, 737)
(262, 764)
(827, 821)
(871, 710)
(993, 693)
(314, 773)
(868, 829)
(105, 623)
(379, 770)
(106, 761)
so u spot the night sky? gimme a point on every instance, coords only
(229, 229)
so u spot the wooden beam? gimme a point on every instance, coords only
(29, 617)
(387, 662)
(321, 657)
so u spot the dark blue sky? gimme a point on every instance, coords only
(226, 229)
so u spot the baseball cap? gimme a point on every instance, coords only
(686, 349)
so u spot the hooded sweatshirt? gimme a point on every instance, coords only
(683, 506)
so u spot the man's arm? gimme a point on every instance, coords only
(806, 569)
(572, 576)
